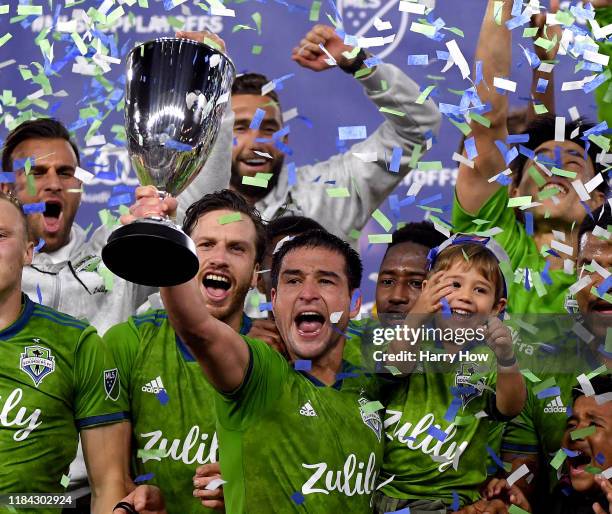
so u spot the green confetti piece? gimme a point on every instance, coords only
(598, 371)
(143, 3)
(565, 17)
(417, 152)
(371, 407)
(176, 24)
(497, 11)
(352, 54)
(540, 108)
(464, 420)
(383, 85)
(463, 127)
(65, 481)
(601, 141)
(519, 201)
(30, 185)
(257, 19)
(254, 299)
(354, 234)
(383, 221)
(392, 111)
(593, 470)
(536, 176)
(547, 193)
(29, 10)
(422, 28)
(515, 509)
(150, 454)
(338, 192)
(529, 375)
(424, 94)
(438, 221)
(530, 32)
(115, 15)
(315, 9)
(363, 72)
(546, 44)
(430, 209)
(558, 459)
(4, 9)
(429, 165)
(4, 39)
(80, 44)
(582, 433)
(380, 238)
(478, 118)
(563, 173)
(229, 218)
(455, 30)
(546, 384)
(239, 27)
(480, 222)
(393, 370)
(465, 255)
(538, 284)
(212, 43)
(256, 50)
(254, 181)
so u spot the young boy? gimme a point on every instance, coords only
(438, 421)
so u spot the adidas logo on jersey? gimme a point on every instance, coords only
(307, 410)
(155, 386)
(555, 406)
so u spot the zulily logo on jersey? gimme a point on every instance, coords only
(555, 406)
(155, 386)
(12, 415)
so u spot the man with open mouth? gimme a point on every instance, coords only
(535, 437)
(259, 171)
(554, 178)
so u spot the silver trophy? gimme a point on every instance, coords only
(176, 93)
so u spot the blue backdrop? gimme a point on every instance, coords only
(259, 38)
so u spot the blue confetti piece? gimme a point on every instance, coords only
(120, 199)
(446, 310)
(478, 72)
(597, 129)
(257, 119)
(440, 435)
(470, 148)
(396, 158)
(502, 179)
(431, 199)
(372, 61)
(354, 298)
(455, 505)
(495, 457)
(511, 155)
(542, 85)
(453, 408)
(162, 396)
(302, 365)
(307, 121)
(600, 458)
(39, 294)
(177, 145)
(39, 245)
(144, 478)
(571, 453)
(298, 498)
(517, 22)
(545, 274)
(530, 154)
(529, 223)
(517, 138)
(403, 511)
(346, 374)
(291, 174)
(418, 60)
(604, 286)
(591, 86)
(527, 284)
(7, 177)
(264, 307)
(354, 132)
(33, 208)
(549, 392)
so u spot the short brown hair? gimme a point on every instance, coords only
(474, 255)
(10, 198)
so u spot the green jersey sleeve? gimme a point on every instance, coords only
(261, 387)
(495, 212)
(97, 393)
(123, 341)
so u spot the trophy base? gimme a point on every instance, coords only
(151, 252)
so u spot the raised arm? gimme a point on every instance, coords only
(495, 52)
(221, 352)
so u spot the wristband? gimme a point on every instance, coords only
(127, 507)
(507, 363)
(357, 63)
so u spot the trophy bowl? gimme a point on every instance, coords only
(176, 92)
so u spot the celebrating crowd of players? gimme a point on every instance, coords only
(197, 407)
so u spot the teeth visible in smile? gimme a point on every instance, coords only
(310, 313)
(461, 311)
(219, 278)
(560, 187)
(255, 162)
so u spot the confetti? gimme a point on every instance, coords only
(303, 365)
(582, 433)
(355, 132)
(229, 218)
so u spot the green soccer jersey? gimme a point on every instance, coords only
(535, 289)
(288, 443)
(172, 407)
(56, 378)
(438, 424)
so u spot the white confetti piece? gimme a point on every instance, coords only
(594, 182)
(517, 474)
(262, 154)
(463, 160)
(546, 67)
(581, 191)
(582, 333)
(600, 399)
(414, 189)
(96, 140)
(382, 25)
(505, 84)
(560, 129)
(411, 7)
(597, 58)
(601, 232)
(334, 317)
(568, 266)
(585, 385)
(506, 172)
(599, 269)
(66, 26)
(215, 484)
(573, 112)
(366, 156)
(562, 247)
(458, 58)
(580, 284)
(289, 114)
(607, 473)
(388, 481)
(83, 175)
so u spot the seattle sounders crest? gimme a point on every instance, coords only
(37, 362)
